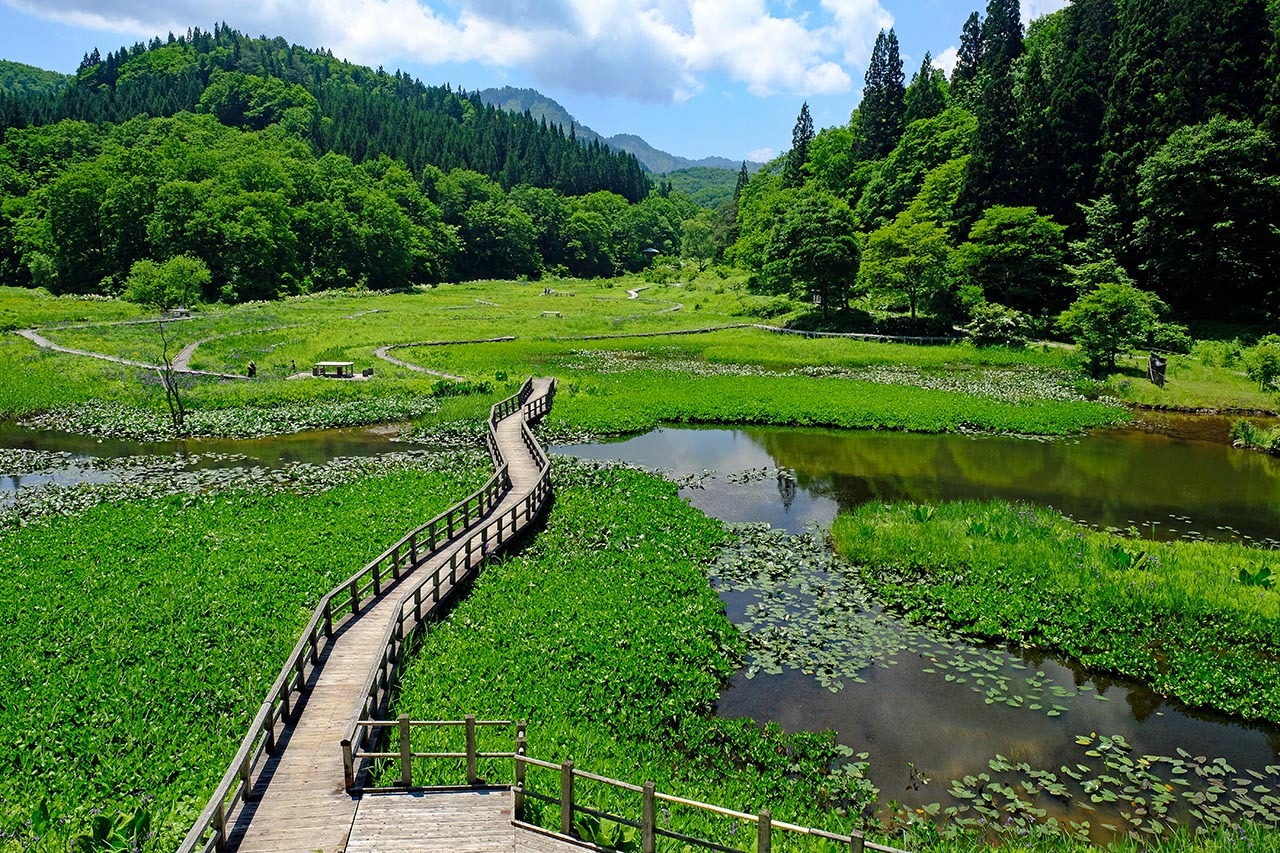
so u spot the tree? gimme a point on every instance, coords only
(1210, 201)
(994, 170)
(178, 281)
(698, 238)
(743, 178)
(1262, 361)
(924, 146)
(801, 135)
(1111, 320)
(812, 251)
(907, 257)
(968, 62)
(1015, 257)
(883, 106)
(926, 97)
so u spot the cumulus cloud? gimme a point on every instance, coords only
(647, 50)
(947, 59)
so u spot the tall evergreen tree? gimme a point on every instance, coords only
(883, 106)
(1178, 62)
(968, 61)
(801, 135)
(927, 95)
(993, 173)
(743, 179)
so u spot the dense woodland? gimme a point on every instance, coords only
(1120, 151)
(1116, 143)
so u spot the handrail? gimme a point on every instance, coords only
(494, 534)
(565, 799)
(340, 605)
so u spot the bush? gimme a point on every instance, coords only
(992, 324)
(1170, 337)
(1262, 362)
(1218, 353)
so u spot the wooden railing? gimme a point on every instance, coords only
(360, 743)
(644, 818)
(339, 606)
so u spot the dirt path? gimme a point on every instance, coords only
(44, 343)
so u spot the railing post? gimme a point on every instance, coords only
(269, 726)
(566, 798)
(328, 617)
(856, 842)
(245, 778)
(355, 597)
(220, 827)
(648, 818)
(406, 757)
(348, 766)
(522, 747)
(764, 832)
(472, 776)
(377, 579)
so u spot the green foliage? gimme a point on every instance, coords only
(173, 640)
(178, 281)
(801, 136)
(992, 324)
(813, 252)
(926, 97)
(1110, 320)
(641, 650)
(1015, 257)
(883, 108)
(19, 79)
(1173, 615)
(926, 145)
(1246, 434)
(907, 257)
(1209, 198)
(1262, 362)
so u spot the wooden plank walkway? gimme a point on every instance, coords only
(299, 802)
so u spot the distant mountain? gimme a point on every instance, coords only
(540, 106)
(19, 79)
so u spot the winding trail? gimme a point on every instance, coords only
(384, 353)
(44, 343)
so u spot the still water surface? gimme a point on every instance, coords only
(1165, 479)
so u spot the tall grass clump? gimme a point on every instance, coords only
(1199, 621)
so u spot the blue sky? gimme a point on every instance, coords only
(693, 77)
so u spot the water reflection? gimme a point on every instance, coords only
(914, 711)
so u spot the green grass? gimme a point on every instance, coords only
(620, 385)
(1191, 385)
(606, 636)
(140, 638)
(1173, 615)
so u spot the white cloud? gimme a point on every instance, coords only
(762, 155)
(1032, 9)
(647, 50)
(947, 59)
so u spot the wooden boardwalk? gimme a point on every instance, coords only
(297, 800)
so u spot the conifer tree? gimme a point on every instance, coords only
(883, 106)
(801, 135)
(743, 178)
(992, 175)
(927, 95)
(968, 61)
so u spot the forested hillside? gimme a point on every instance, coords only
(281, 170)
(1117, 142)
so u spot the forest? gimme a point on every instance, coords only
(1117, 158)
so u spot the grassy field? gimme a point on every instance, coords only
(1196, 620)
(626, 383)
(140, 637)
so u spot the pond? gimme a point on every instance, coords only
(930, 707)
(932, 712)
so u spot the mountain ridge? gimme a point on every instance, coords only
(540, 106)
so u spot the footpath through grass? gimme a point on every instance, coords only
(139, 638)
(1199, 621)
(613, 386)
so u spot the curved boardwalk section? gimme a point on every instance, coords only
(285, 790)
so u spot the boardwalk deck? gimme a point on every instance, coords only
(299, 802)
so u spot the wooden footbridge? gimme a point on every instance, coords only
(300, 782)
